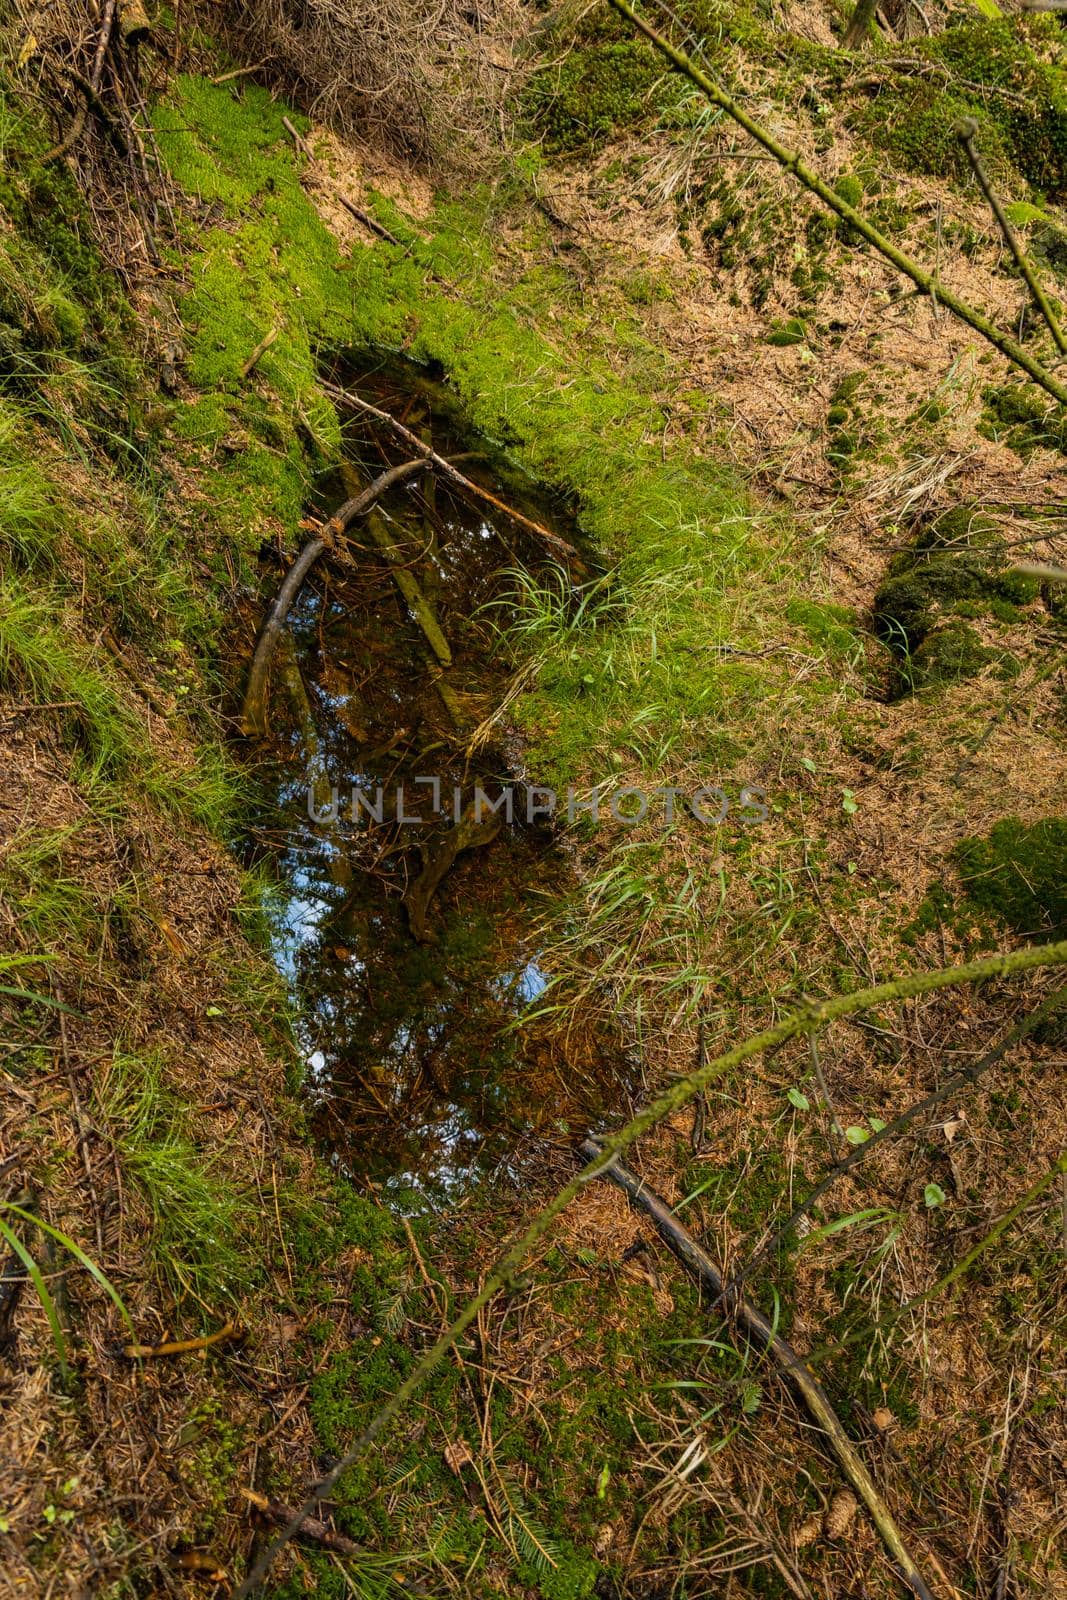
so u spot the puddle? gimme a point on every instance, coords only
(416, 1071)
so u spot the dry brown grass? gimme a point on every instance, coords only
(428, 82)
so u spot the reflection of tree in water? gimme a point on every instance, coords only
(412, 1062)
(410, 1036)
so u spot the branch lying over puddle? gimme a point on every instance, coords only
(254, 711)
(791, 1366)
(345, 397)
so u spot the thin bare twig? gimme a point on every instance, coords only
(73, 133)
(966, 133)
(421, 448)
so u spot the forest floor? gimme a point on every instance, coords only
(810, 489)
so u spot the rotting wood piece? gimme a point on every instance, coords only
(134, 22)
(417, 604)
(792, 1367)
(311, 1527)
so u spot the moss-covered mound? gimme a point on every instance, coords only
(1018, 875)
(1019, 415)
(992, 70)
(956, 568)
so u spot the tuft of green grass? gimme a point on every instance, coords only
(202, 1226)
(13, 1217)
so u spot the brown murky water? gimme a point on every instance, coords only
(427, 1062)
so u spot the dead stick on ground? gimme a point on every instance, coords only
(966, 133)
(253, 714)
(369, 222)
(180, 1347)
(789, 1363)
(791, 160)
(261, 349)
(345, 397)
(311, 1528)
(241, 72)
(297, 137)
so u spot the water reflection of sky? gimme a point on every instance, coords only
(413, 1068)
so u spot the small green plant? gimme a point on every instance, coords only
(8, 1210)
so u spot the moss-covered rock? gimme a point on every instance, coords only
(1031, 118)
(1048, 246)
(955, 568)
(1021, 416)
(990, 70)
(1018, 875)
(948, 655)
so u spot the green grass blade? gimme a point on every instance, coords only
(80, 1256)
(37, 1279)
(41, 999)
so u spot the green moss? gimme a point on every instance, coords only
(849, 188)
(1024, 129)
(270, 263)
(1048, 246)
(598, 88)
(1020, 213)
(1019, 415)
(596, 79)
(1032, 121)
(949, 654)
(956, 567)
(1018, 875)
(829, 627)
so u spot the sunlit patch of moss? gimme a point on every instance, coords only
(268, 263)
(1022, 130)
(829, 627)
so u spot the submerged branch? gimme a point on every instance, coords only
(254, 710)
(471, 832)
(791, 1365)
